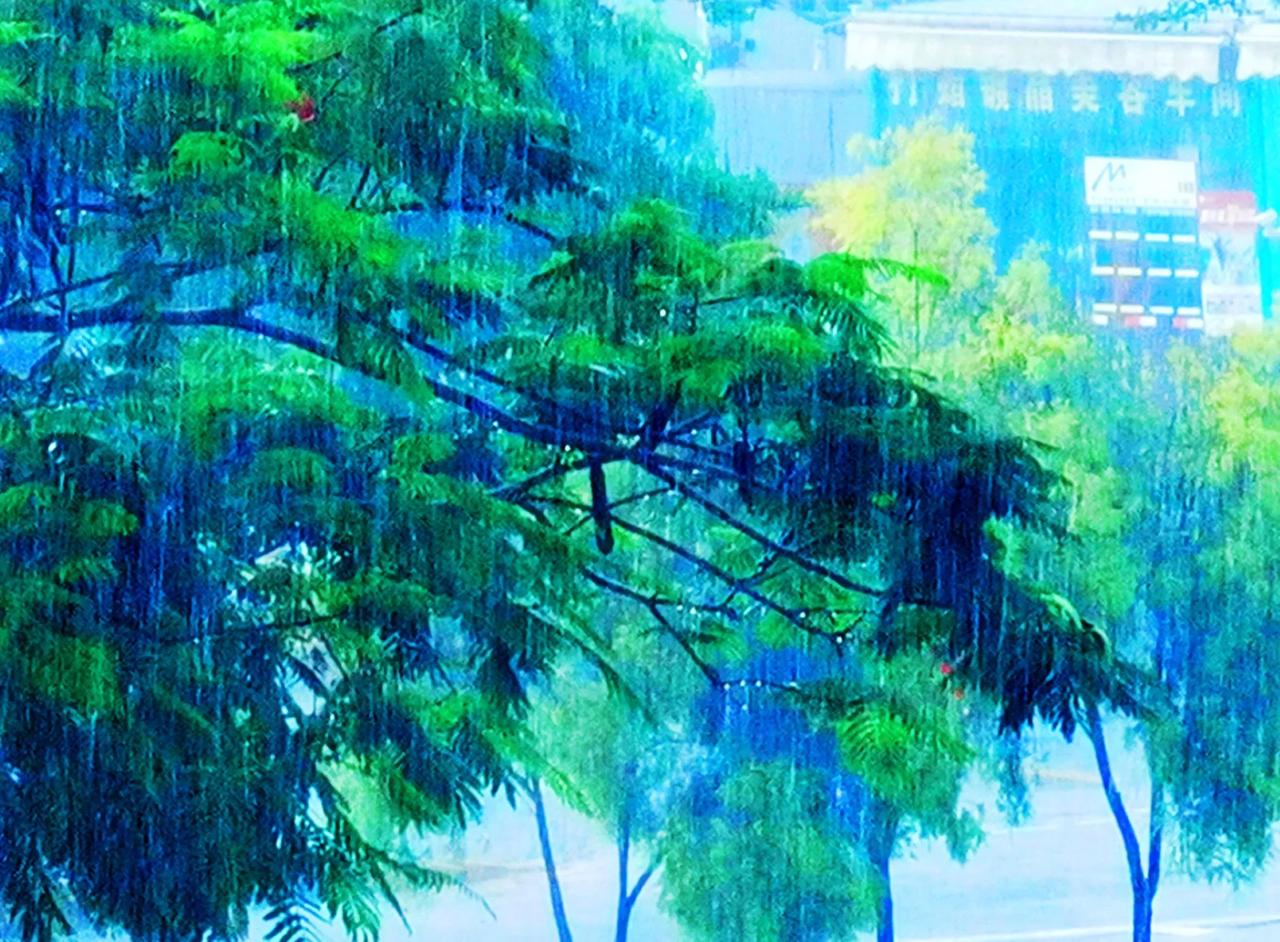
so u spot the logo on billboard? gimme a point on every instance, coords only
(1112, 172)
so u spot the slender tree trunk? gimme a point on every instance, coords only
(624, 881)
(884, 836)
(1155, 847)
(1143, 882)
(915, 260)
(884, 921)
(1141, 914)
(548, 862)
(627, 894)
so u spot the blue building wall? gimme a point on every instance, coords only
(794, 129)
(1032, 134)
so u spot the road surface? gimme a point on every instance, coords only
(1060, 876)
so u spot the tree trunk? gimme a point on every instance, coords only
(627, 895)
(884, 921)
(623, 921)
(884, 837)
(1143, 882)
(1155, 846)
(549, 862)
(1141, 913)
(624, 881)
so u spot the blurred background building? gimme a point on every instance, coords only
(1144, 157)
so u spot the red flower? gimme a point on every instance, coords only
(947, 669)
(304, 108)
(959, 694)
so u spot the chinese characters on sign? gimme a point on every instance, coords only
(1002, 92)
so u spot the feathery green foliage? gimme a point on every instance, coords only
(368, 386)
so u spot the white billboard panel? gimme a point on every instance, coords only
(1134, 183)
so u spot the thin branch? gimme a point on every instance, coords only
(532, 228)
(468, 206)
(640, 883)
(377, 31)
(712, 472)
(690, 426)
(173, 269)
(797, 617)
(363, 182)
(655, 609)
(654, 606)
(557, 469)
(234, 318)
(621, 502)
(318, 181)
(804, 562)
(416, 338)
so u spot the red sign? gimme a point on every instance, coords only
(1232, 294)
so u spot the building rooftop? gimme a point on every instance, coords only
(1101, 13)
(778, 47)
(924, 41)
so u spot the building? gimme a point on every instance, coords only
(1169, 229)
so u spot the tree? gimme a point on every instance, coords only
(759, 858)
(341, 399)
(1184, 12)
(908, 745)
(1027, 365)
(173, 707)
(916, 203)
(623, 763)
(1158, 549)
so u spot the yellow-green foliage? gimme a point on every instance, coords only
(915, 204)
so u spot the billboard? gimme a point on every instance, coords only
(1129, 183)
(1229, 244)
(1146, 258)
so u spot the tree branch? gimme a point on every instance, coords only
(622, 502)
(804, 562)
(654, 606)
(234, 318)
(640, 883)
(795, 616)
(174, 269)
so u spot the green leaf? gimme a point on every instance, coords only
(294, 468)
(198, 153)
(78, 673)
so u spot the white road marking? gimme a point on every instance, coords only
(1185, 930)
(1061, 824)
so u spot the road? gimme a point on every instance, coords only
(1061, 876)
